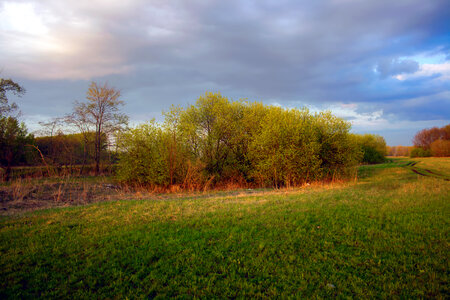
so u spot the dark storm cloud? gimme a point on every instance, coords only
(309, 52)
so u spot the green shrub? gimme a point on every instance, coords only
(285, 152)
(143, 157)
(373, 148)
(420, 152)
(338, 150)
(217, 140)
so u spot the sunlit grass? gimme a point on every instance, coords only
(438, 164)
(385, 236)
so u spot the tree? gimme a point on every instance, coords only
(144, 157)
(426, 137)
(373, 147)
(420, 152)
(7, 85)
(432, 142)
(399, 150)
(177, 148)
(79, 120)
(220, 141)
(13, 135)
(62, 149)
(100, 114)
(339, 152)
(209, 127)
(285, 151)
(440, 148)
(13, 141)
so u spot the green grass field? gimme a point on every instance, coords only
(385, 236)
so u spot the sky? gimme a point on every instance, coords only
(382, 65)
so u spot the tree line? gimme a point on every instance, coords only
(212, 142)
(432, 142)
(399, 150)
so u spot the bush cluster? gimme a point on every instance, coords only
(217, 141)
(373, 147)
(420, 152)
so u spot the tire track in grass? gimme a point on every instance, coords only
(424, 172)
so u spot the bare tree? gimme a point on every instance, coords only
(79, 120)
(99, 114)
(50, 128)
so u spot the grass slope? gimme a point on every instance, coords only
(386, 236)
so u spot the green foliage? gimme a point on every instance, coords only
(420, 152)
(285, 151)
(373, 148)
(339, 150)
(218, 140)
(210, 126)
(13, 136)
(385, 238)
(143, 155)
(151, 155)
(13, 144)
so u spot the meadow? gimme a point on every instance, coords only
(384, 234)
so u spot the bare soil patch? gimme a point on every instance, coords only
(23, 195)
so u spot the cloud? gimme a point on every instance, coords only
(45, 40)
(438, 71)
(420, 108)
(169, 52)
(392, 67)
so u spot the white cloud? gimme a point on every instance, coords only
(22, 18)
(442, 70)
(349, 111)
(44, 41)
(375, 120)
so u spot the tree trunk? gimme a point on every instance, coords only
(97, 153)
(97, 162)
(84, 159)
(8, 173)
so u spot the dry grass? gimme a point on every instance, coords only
(30, 194)
(20, 189)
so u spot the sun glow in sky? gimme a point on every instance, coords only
(22, 18)
(383, 65)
